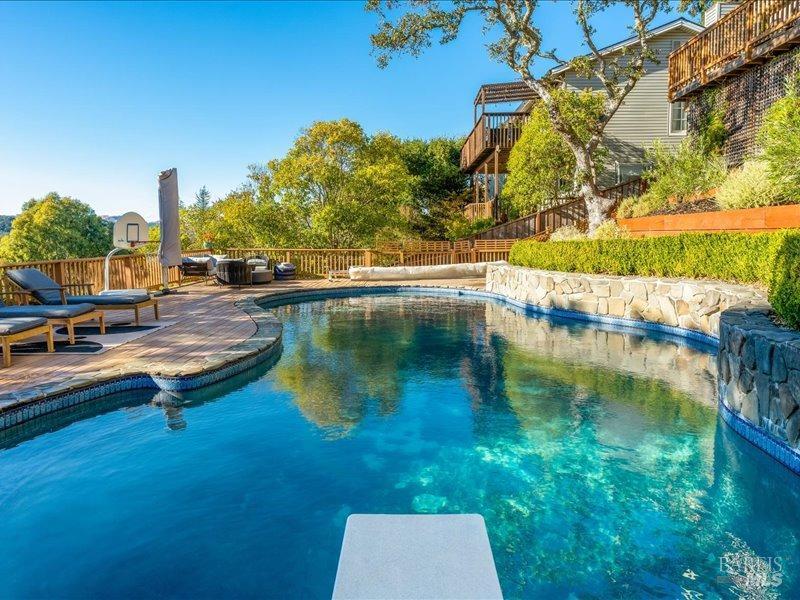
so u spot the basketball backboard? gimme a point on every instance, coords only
(130, 230)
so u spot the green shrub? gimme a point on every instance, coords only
(609, 230)
(641, 206)
(460, 227)
(748, 187)
(771, 260)
(779, 137)
(568, 233)
(684, 171)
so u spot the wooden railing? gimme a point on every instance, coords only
(312, 262)
(558, 212)
(744, 35)
(479, 210)
(132, 271)
(492, 130)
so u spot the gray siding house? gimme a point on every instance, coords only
(646, 114)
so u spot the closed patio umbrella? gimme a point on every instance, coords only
(169, 250)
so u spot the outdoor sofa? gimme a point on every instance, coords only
(67, 315)
(48, 292)
(22, 328)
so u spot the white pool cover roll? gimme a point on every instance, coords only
(458, 271)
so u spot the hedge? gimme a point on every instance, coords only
(771, 260)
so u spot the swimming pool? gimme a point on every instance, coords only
(596, 457)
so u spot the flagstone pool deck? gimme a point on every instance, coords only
(213, 326)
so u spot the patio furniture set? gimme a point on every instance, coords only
(53, 305)
(255, 270)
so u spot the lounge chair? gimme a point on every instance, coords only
(48, 292)
(67, 315)
(21, 328)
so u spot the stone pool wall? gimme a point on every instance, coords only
(694, 305)
(758, 361)
(759, 379)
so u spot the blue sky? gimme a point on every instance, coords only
(98, 98)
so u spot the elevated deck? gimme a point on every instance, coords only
(491, 140)
(750, 34)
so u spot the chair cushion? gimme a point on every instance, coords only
(48, 312)
(34, 281)
(196, 260)
(110, 299)
(9, 326)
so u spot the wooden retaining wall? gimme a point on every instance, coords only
(768, 218)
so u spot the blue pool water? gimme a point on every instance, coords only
(596, 457)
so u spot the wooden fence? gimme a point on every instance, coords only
(313, 262)
(131, 271)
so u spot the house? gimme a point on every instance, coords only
(740, 64)
(646, 115)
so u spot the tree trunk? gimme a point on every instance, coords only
(597, 205)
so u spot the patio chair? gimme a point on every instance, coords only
(22, 328)
(48, 292)
(198, 266)
(67, 315)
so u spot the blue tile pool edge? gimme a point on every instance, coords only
(267, 339)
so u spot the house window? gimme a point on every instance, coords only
(677, 118)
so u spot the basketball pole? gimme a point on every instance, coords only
(107, 269)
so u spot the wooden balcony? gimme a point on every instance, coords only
(479, 210)
(493, 131)
(749, 34)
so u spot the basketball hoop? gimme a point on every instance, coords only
(130, 230)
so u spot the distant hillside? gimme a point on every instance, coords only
(5, 223)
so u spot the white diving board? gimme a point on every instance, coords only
(416, 556)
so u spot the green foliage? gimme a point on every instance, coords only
(196, 221)
(779, 138)
(459, 226)
(770, 259)
(541, 165)
(53, 228)
(609, 230)
(438, 183)
(712, 129)
(5, 224)
(346, 187)
(678, 173)
(748, 187)
(568, 233)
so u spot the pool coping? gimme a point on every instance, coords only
(268, 338)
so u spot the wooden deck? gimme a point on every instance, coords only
(206, 321)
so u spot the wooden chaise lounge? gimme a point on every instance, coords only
(48, 292)
(22, 328)
(66, 315)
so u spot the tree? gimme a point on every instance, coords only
(519, 45)
(53, 228)
(195, 220)
(346, 188)
(202, 199)
(437, 182)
